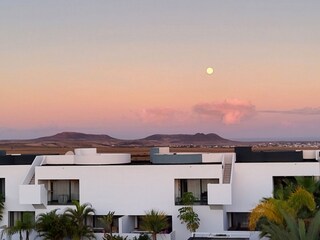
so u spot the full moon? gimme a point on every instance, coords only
(209, 70)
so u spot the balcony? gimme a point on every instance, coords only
(64, 199)
(33, 194)
(198, 188)
(203, 200)
(219, 194)
(130, 226)
(62, 192)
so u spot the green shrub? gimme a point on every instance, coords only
(114, 237)
(142, 237)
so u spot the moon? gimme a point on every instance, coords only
(209, 70)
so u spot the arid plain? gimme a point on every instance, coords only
(139, 149)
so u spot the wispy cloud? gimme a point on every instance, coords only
(231, 111)
(160, 115)
(298, 111)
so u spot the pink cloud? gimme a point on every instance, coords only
(160, 115)
(298, 111)
(231, 111)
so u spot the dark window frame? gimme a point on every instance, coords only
(3, 188)
(236, 221)
(68, 195)
(183, 183)
(15, 216)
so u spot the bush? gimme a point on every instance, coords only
(142, 237)
(114, 237)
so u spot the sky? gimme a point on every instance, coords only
(130, 69)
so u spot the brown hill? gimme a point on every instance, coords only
(188, 139)
(76, 139)
(75, 136)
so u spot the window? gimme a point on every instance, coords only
(3, 188)
(62, 192)
(98, 226)
(284, 181)
(20, 216)
(139, 220)
(238, 221)
(198, 187)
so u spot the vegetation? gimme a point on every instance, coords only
(78, 217)
(300, 204)
(142, 237)
(1, 206)
(293, 213)
(53, 226)
(187, 215)
(107, 222)
(154, 222)
(25, 225)
(294, 229)
(116, 237)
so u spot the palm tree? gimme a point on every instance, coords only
(53, 226)
(115, 237)
(300, 204)
(295, 229)
(78, 217)
(1, 206)
(311, 185)
(154, 221)
(107, 222)
(187, 215)
(26, 224)
(284, 189)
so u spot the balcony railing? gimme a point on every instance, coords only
(32, 194)
(64, 199)
(201, 201)
(219, 194)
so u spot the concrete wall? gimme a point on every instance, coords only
(126, 224)
(212, 157)
(177, 158)
(14, 176)
(220, 194)
(32, 194)
(253, 181)
(134, 189)
(110, 158)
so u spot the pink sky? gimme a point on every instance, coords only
(134, 69)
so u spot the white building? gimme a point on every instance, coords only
(227, 186)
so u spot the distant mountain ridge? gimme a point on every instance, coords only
(68, 136)
(188, 138)
(77, 139)
(96, 140)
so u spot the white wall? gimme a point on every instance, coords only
(33, 194)
(212, 157)
(253, 181)
(135, 189)
(108, 158)
(129, 189)
(14, 176)
(126, 224)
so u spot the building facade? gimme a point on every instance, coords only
(226, 186)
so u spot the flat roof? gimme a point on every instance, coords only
(25, 159)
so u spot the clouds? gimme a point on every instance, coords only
(226, 113)
(160, 115)
(230, 111)
(298, 111)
